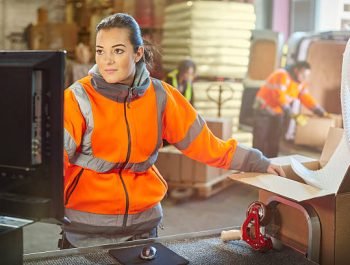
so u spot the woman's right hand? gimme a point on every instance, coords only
(276, 170)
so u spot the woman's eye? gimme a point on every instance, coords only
(99, 52)
(118, 51)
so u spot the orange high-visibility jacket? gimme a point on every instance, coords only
(280, 90)
(112, 136)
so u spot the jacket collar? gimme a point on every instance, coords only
(117, 91)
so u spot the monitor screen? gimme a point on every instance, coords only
(31, 135)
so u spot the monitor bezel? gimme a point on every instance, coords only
(48, 208)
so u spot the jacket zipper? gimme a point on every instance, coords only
(126, 104)
(73, 185)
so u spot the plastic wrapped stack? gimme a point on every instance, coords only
(216, 35)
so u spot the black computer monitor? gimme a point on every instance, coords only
(31, 134)
(31, 144)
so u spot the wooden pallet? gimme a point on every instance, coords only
(204, 189)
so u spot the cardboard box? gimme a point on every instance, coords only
(315, 132)
(178, 168)
(169, 163)
(331, 204)
(205, 173)
(220, 127)
(53, 36)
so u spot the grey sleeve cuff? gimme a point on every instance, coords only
(249, 160)
(287, 110)
(319, 111)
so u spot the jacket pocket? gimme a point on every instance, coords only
(72, 186)
(155, 170)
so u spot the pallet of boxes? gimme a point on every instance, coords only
(187, 177)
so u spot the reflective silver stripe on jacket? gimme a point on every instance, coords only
(272, 86)
(69, 144)
(85, 158)
(249, 159)
(93, 223)
(86, 110)
(192, 133)
(276, 86)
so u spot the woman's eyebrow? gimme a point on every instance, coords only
(116, 45)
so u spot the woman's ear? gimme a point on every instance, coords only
(139, 53)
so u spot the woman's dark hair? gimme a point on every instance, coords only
(297, 66)
(184, 65)
(121, 20)
(301, 65)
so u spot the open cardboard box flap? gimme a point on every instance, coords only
(292, 189)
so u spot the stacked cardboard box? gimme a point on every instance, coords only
(220, 127)
(179, 169)
(216, 35)
(182, 172)
(53, 36)
(314, 132)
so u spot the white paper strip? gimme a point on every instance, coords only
(345, 91)
(332, 174)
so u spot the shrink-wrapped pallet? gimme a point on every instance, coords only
(215, 35)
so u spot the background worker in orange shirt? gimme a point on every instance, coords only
(273, 104)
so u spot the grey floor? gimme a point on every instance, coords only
(225, 209)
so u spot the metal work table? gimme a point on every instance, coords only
(199, 248)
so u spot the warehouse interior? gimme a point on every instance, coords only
(235, 45)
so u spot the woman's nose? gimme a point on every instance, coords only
(109, 58)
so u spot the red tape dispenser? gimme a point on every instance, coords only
(251, 231)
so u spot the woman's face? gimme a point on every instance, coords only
(188, 76)
(303, 75)
(115, 56)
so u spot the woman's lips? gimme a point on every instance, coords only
(110, 71)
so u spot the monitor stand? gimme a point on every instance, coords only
(11, 240)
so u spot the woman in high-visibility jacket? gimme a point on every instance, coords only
(273, 103)
(182, 78)
(115, 119)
